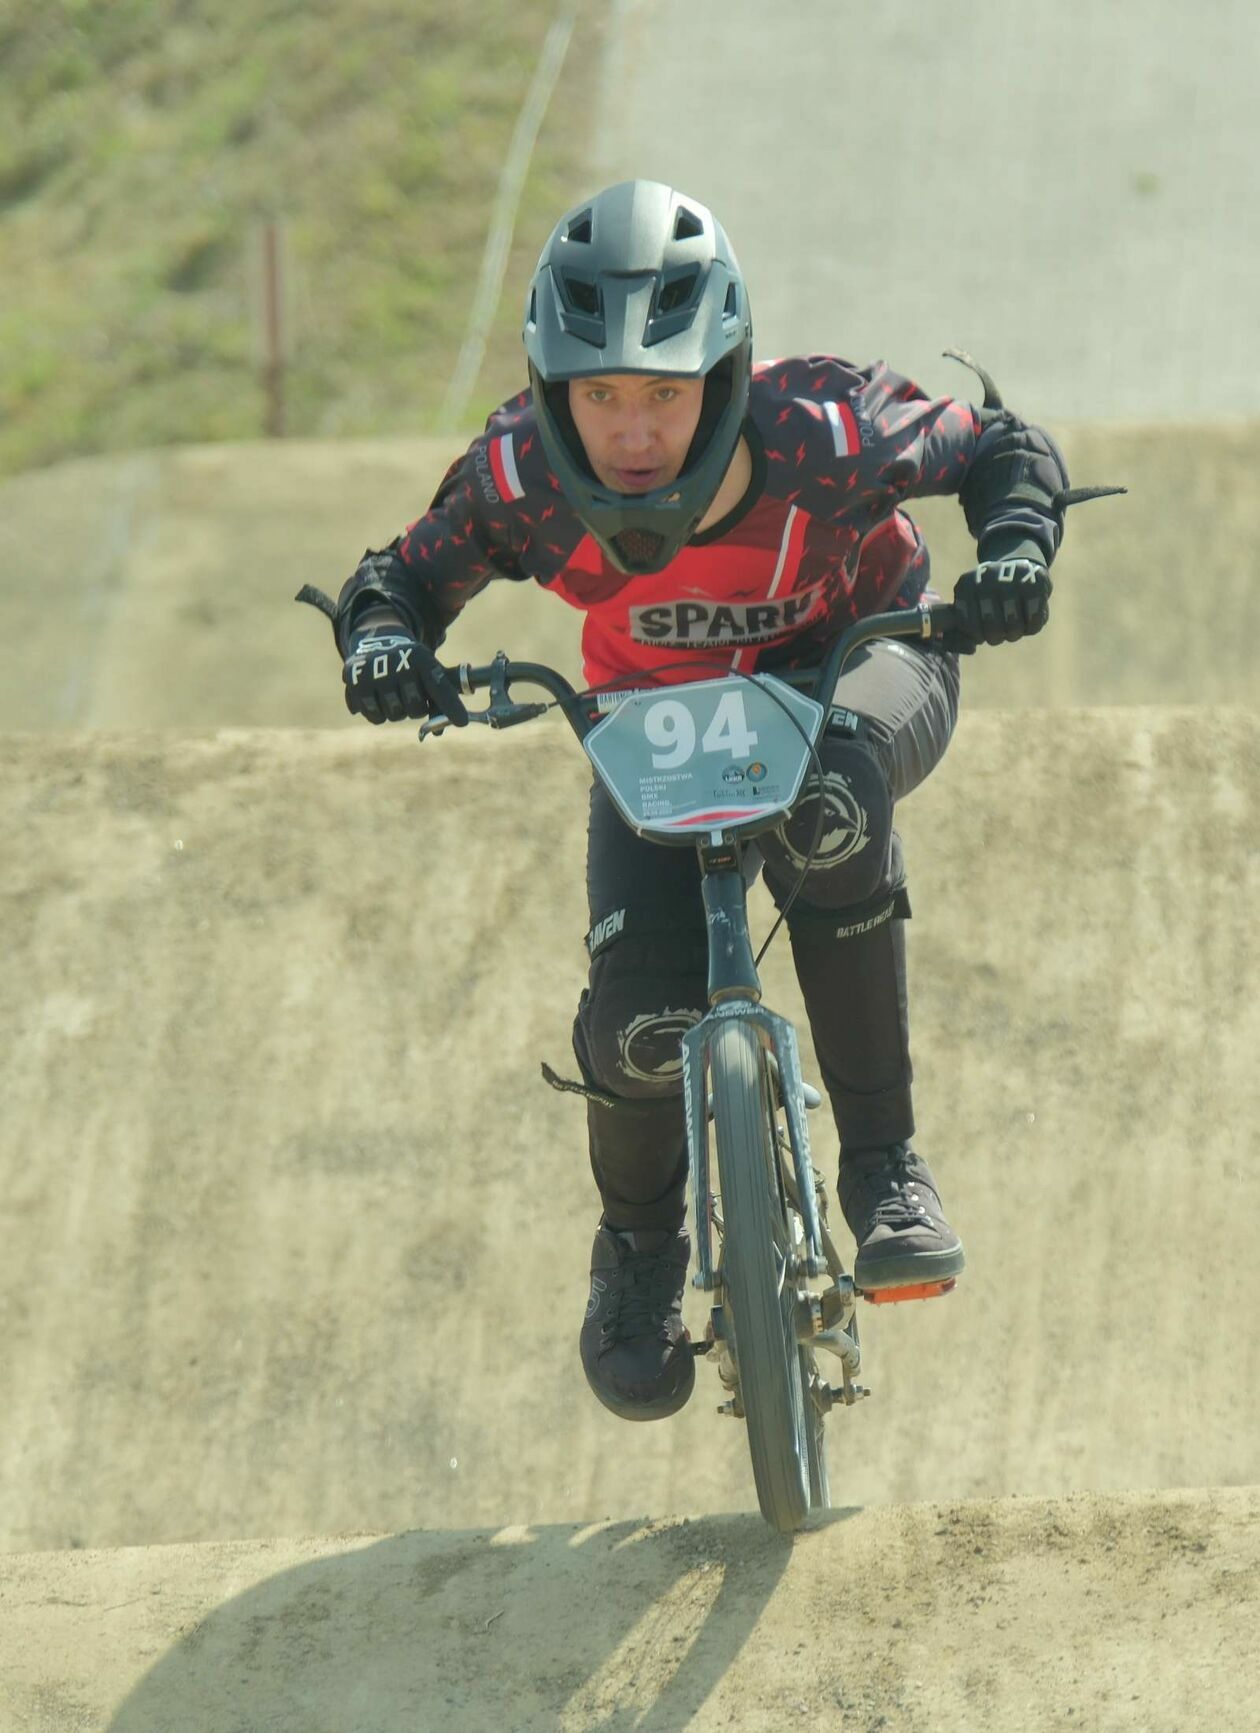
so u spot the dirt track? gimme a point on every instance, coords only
(296, 1234)
(259, 1079)
(1131, 1614)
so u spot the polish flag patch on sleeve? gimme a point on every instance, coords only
(503, 468)
(844, 429)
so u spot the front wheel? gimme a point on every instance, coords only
(760, 1295)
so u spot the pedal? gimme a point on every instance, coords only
(917, 1291)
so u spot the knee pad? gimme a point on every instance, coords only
(819, 927)
(646, 990)
(853, 860)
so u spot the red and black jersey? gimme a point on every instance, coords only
(817, 541)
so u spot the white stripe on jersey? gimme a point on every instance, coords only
(783, 548)
(740, 655)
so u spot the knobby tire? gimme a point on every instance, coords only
(761, 1301)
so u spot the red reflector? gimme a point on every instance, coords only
(920, 1291)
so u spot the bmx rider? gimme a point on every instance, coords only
(709, 514)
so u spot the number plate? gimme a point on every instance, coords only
(710, 755)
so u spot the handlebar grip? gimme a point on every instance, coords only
(945, 617)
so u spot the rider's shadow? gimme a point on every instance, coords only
(566, 1628)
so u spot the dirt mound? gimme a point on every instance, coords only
(295, 1236)
(1132, 1614)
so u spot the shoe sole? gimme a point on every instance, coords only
(912, 1270)
(920, 1291)
(659, 1409)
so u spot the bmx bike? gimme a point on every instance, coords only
(710, 764)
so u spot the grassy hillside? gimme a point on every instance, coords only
(143, 142)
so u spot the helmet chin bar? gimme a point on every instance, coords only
(638, 552)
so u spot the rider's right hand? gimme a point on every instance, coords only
(390, 676)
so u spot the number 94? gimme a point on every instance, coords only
(670, 725)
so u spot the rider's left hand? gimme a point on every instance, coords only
(1000, 601)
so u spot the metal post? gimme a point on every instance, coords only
(273, 329)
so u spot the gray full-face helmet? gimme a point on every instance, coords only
(639, 279)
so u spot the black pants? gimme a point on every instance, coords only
(894, 711)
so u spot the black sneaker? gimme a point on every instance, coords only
(636, 1352)
(893, 1209)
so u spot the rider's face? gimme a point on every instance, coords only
(637, 428)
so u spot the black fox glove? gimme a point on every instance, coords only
(389, 677)
(1000, 600)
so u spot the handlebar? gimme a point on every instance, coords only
(583, 710)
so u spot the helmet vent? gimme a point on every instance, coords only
(731, 309)
(582, 295)
(687, 225)
(639, 550)
(580, 227)
(678, 292)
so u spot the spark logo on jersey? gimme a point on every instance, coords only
(680, 624)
